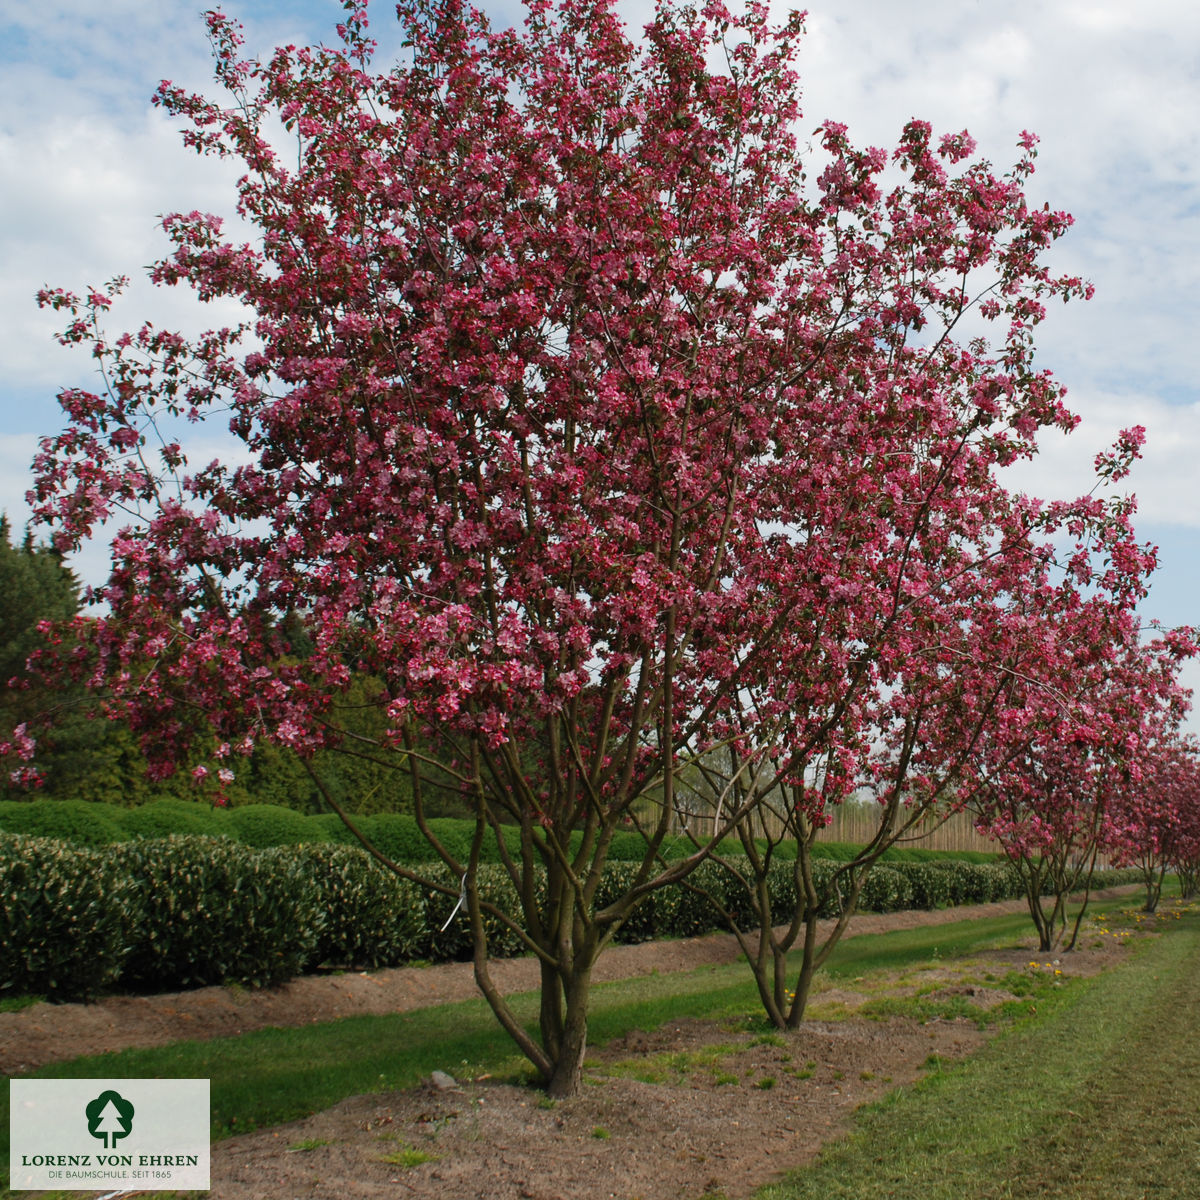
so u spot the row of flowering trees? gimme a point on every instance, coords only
(1038, 707)
(621, 439)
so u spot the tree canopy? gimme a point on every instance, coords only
(597, 419)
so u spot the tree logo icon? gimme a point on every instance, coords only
(109, 1117)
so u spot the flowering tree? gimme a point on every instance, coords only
(1185, 852)
(1056, 777)
(1156, 822)
(964, 673)
(914, 775)
(572, 418)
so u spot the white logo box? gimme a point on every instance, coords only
(116, 1134)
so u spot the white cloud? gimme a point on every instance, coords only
(1163, 479)
(16, 454)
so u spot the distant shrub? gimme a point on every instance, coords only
(455, 836)
(263, 825)
(675, 847)
(78, 821)
(329, 827)
(698, 895)
(511, 836)
(838, 851)
(980, 883)
(161, 818)
(285, 892)
(397, 836)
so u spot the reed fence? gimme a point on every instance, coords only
(857, 823)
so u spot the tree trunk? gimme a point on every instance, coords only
(566, 1077)
(808, 968)
(1154, 887)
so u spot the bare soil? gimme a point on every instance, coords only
(684, 1111)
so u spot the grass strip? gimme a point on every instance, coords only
(1094, 1099)
(275, 1075)
(867, 953)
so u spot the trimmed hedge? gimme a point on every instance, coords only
(931, 886)
(75, 821)
(980, 883)
(214, 911)
(368, 915)
(161, 818)
(448, 932)
(67, 918)
(396, 835)
(885, 890)
(263, 825)
(184, 911)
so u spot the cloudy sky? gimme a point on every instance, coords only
(1112, 89)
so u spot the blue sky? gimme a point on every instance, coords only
(1112, 89)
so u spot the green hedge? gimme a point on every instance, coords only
(215, 911)
(885, 890)
(448, 931)
(396, 835)
(263, 825)
(161, 818)
(68, 916)
(188, 910)
(931, 886)
(369, 916)
(71, 820)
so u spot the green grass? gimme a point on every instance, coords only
(407, 1157)
(17, 1003)
(670, 1067)
(894, 951)
(925, 1008)
(1097, 1098)
(303, 1147)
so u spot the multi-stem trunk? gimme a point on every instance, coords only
(1189, 876)
(783, 988)
(1153, 875)
(1033, 873)
(571, 1026)
(568, 946)
(814, 952)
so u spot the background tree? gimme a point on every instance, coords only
(962, 660)
(1056, 775)
(1185, 854)
(1155, 820)
(79, 757)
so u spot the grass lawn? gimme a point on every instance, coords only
(1096, 1098)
